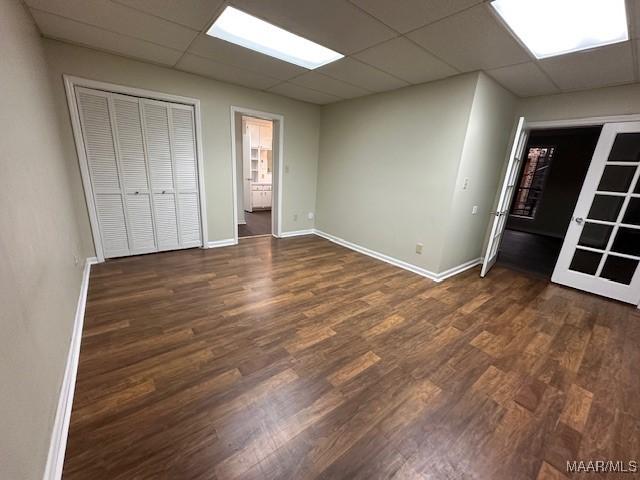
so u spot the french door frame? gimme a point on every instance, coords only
(70, 83)
(580, 122)
(276, 188)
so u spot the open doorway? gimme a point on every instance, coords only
(254, 219)
(257, 141)
(554, 166)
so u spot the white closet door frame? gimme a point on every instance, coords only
(70, 84)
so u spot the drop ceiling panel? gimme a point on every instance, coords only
(357, 73)
(304, 94)
(120, 19)
(471, 40)
(322, 83)
(225, 52)
(600, 67)
(76, 32)
(336, 24)
(195, 14)
(525, 80)
(405, 15)
(226, 73)
(406, 60)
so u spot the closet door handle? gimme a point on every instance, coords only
(136, 193)
(164, 191)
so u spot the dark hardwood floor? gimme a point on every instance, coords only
(528, 252)
(297, 358)
(258, 223)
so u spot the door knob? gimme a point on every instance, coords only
(164, 191)
(137, 193)
(579, 220)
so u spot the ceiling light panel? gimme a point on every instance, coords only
(555, 27)
(250, 32)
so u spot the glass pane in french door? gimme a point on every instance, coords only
(626, 148)
(609, 243)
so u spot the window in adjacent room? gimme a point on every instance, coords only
(532, 180)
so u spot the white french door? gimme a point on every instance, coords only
(142, 163)
(506, 194)
(601, 251)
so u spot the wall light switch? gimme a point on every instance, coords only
(474, 210)
(419, 248)
(286, 169)
(295, 217)
(310, 215)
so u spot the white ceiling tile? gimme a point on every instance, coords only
(525, 80)
(322, 83)
(336, 24)
(471, 40)
(405, 15)
(195, 14)
(357, 73)
(64, 29)
(226, 73)
(600, 67)
(305, 94)
(406, 60)
(225, 52)
(120, 19)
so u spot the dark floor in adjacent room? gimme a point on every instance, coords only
(258, 223)
(300, 359)
(528, 252)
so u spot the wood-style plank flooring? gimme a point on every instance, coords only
(258, 222)
(297, 358)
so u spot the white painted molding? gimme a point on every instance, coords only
(379, 256)
(436, 277)
(58, 442)
(297, 233)
(277, 186)
(222, 243)
(460, 268)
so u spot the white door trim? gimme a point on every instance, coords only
(276, 214)
(581, 122)
(70, 82)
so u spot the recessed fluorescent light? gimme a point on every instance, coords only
(248, 31)
(554, 27)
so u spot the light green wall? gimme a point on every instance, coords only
(621, 100)
(388, 164)
(39, 238)
(301, 131)
(485, 150)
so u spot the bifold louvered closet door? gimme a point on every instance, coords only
(142, 163)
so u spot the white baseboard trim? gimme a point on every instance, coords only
(58, 443)
(377, 255)
(221, 243)
(459, 269)
(297, 233)
(436, 277)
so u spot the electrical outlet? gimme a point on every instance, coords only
(310, 215)
(474, 210)
(419, 248)
(295, 217)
